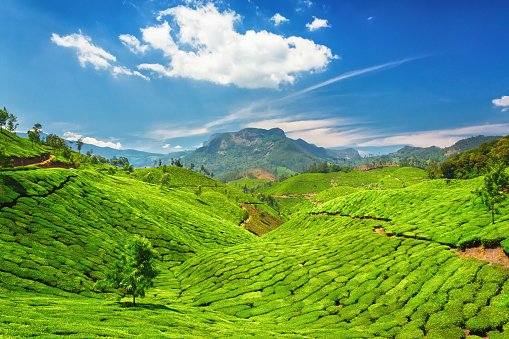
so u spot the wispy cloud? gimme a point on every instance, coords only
(352, 74)
(269, 113)
(90, 54)
(440, 138)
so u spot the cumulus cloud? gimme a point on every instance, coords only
(204, 45)
(317, 24)
(278, 19)
(90, 54)
(503, 103)
(166, 146)
(134, 45)
(71, 136)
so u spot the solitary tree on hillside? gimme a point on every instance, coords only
(492, 191)
(135, 271)
(37, 127)
(79, 144)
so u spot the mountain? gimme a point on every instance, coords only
(270, 150)
(440, 154)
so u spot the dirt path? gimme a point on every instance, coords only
(45, 162)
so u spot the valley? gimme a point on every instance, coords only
(358, 254)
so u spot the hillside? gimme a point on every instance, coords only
(270, 150)
(13, 146)
(440, 154)
(387, 253)
(473, 163)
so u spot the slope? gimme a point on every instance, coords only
(13, 146)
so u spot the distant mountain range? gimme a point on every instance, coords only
(228, 154)
(270, 150)
(440, 154)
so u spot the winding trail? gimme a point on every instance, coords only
(45, 162)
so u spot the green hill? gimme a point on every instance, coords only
(389, 177)
(380, 258)
(440, 154)
(13, 146)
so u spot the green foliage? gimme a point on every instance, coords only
(473, 163)
(135, 272)
(389, 177)
(325, 273)
(492, 191)
(13, 146)
(325, 167)
(55, 141)
(4, 116)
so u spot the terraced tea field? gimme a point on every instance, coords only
(328, 272)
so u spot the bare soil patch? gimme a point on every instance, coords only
(493, 255)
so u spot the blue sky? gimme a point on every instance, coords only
(165, 75)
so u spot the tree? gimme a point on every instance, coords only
(12, 122)
(34, 137)
(79, 144)
(37, 127)
(4, 115)
(135, 271)
(492, 191)
(55, 141)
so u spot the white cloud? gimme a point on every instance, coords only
(134, 45)
(278, 19)
(440, 138)
(90, 54)
(71, 136)
(503, 103)
(178, 147)
(317, 24)
(205, 46)
(166, 146)
(371, 18)
(87, 52)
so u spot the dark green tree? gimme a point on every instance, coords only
(55, 141)
(136, 270)
(34, 137)
(12, 122)
(4, 115)
(493, 190)
(79, 144)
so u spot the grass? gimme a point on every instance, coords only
(390, 177)
(449, 214)
(323, 273)
(12, 145)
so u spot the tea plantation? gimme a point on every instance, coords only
(378, 259)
